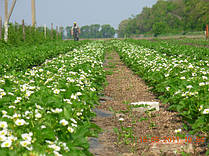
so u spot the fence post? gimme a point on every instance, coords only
(61, 32)
(45, 31)
(52, 31)
(57, 32)
(206, 32)
(5, 20)
(0, 28)
(23, 29)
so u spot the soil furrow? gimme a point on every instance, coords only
(124, 138)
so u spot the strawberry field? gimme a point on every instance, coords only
(178, 74)
(48, 91)
(46, 109)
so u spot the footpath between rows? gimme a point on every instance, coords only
(129, 131)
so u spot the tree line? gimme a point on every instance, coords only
(167, 16)
(94, 31)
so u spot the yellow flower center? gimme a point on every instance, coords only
(6, 144)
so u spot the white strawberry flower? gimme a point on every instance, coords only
(92, 89)
(166, 75)
(183, 78)
(206, 111)
(19, 98)
(40, 70)
(43, 126)
(70, 129)
(201, 83)
(73, 97)
(57, 110)
(20, 122)
(12, 107)
(29, 148)
(16, 115)
(79, 114)
(78, 93)
(27, 136)
(2, 93)
(3, 132)
(64, 122)
(201, 107)
(190, 66)
(28, 93)
(6, 143)
(25, 143)
(68, 101)
(204, 77)
(55, 147)
(3, 138)
(9, 93)
(49, 142)
(73, 120)
(167, 88)
(38, 115)
(56, 91)
(3, 124)
(12, 138)
(74, 125)
(4, 112)
(39, 107)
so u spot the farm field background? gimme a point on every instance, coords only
(78, 80)
(178, 74)
(48, 91)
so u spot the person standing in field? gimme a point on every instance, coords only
(75, 31)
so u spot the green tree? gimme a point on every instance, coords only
(122, 29)
(95, 31)
(174, 15)
(107, 31)
(85, 31)
(159, 28)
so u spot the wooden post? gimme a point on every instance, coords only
(33, 8)
(45, 31)
(12, 8)
(206, 32)
(7, 17)
(6, 10)
(6, 21)
(0, 28)
(57, 32)
(23, 30)
(61, 31)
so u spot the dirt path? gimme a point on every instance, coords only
(124, 138)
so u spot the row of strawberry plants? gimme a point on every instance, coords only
(195, 42)
(47, 109)
(182, 83)
(23, 57)
(174, 48)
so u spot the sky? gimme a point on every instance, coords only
(84, 12)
